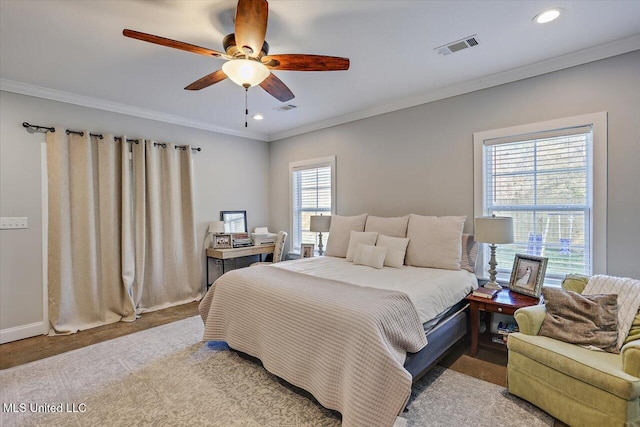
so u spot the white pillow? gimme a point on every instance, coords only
(393, 227)
(396, 249)
(360, 237)
(339, 233)
(436, 242)
(370, 255)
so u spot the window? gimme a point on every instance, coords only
(551, 178)
(312, 193)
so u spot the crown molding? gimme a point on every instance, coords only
(100, 104)
(573, 59)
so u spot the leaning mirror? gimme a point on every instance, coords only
(234, 221)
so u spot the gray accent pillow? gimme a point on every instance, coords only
(589, 320)
(469, 253)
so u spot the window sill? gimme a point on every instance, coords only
(292, 255)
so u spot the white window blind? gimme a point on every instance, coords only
(312, 194)
(544, 181)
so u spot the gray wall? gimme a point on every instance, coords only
(420, 159)
(415, 160)
(230, 173)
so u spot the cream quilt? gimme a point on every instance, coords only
(628, 291)
(344, 344)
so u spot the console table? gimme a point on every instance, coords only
(236, 254)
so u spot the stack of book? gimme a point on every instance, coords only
(504, 329)
(485, 293)
(241, 240)
(499, 339)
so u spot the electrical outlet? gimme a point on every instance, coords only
(13, 223)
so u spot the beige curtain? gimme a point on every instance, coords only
(121, 230)
(85, 279)
(167, 267)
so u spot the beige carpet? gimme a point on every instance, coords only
(165, 376)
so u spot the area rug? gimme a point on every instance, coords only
(166, 376)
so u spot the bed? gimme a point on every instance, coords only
(355, 337)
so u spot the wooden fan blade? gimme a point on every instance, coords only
(277, 89)
(208, 80)
(163, 41)
(300, 62)
(251, 26)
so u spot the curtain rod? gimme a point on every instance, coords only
(99, 135)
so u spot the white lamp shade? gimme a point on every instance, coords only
(245, 71)
(216, 227)
(493, 229)
(320, 223)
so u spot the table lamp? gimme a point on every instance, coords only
(320, 224)
(493, 230)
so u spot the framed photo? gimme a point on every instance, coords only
(222, 241)
(528, 274)
(306, 250)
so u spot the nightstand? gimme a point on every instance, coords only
(505, 302)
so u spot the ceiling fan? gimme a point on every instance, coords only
(247, 54)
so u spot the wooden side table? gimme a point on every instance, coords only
(505, 302)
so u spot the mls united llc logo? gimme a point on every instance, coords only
(44, 407)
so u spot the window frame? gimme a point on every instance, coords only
(598, 179)
(319, 162)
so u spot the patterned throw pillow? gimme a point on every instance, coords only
(577, 283)
(590, 320)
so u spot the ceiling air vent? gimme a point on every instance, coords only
(286, 107)
(457, 45)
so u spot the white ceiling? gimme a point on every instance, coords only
(74, 51)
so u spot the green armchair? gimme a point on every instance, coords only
(577, 386)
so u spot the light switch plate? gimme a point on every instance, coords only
(13, 223)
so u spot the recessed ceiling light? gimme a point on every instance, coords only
(547, 15)
(258, 117)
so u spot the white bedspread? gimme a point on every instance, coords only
(431, 290)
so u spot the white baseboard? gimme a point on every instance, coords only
(21, 332)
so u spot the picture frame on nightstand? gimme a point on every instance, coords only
(306, 250)
(527, 274)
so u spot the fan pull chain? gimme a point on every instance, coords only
(246, 106)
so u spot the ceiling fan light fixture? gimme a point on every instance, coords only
(245, 72)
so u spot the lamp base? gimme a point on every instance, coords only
(320, 251)
(493, 285)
